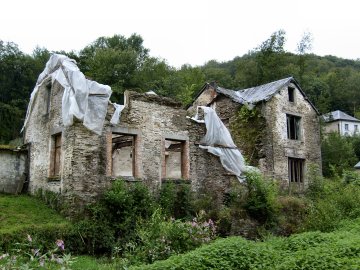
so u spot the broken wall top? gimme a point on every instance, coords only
(82, 98)
(146, 97)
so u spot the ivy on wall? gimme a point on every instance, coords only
(248, 128)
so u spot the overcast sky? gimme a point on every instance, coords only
(184, 31)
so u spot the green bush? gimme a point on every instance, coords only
(339, 201)
(176, 200)
(311, 250)
(158, 238)
(337, 154)
(261, 201)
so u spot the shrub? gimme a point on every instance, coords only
(337, 154)
(311, 250)
(124, 204)
(261, 201)
(158, 238)
(339, 202)
(176, 200)
(292, 214)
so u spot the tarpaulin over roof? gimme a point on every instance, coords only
(85, 99)
(264, 92)
(218, 141)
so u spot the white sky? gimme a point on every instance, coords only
(184, 31)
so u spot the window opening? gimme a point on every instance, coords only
(291, 94)
(56, 155)
(174, 159)
(296, 170)
(293, 127)
(346, 127)
(123, 155)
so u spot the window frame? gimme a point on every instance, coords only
(56, 155)
(293, 126)
(134, 154)
(296, 170)
(184, 162)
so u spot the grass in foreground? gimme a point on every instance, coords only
(18, 213)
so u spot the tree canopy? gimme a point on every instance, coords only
(331, 83)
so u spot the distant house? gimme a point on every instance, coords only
(283, 139)
(342, 123)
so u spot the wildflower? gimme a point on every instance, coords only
(4, 256)
(35, 252)
(60, 244)
(29, 238)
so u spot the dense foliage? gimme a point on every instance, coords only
(133, 226)
(311, 250)
(124, 63)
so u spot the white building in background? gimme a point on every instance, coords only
(342, 123)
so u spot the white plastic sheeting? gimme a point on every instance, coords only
(218, 141)
(85, 99)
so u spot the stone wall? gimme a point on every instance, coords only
(12, 170)
(45, 121)
(152, 119)
(307, 147)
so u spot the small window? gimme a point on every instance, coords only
(293, 127)
(356, 128)
(55, 164)
(296, 170)
(48, 98)
(175, 165)
(291, 94)
(123, 155)
(347, 127)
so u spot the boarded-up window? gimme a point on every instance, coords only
(296, 170)
(123, 155)
(175, 165)
(56, 155)
(293, 127)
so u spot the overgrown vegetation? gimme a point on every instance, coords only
(311, 250)
(248, 130)
(338, 154)
(132, 226)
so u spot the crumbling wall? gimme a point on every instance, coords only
(12, 170)
(153, 119)
(206, 96)
(207, 174)
(83, 176)
(45, 120)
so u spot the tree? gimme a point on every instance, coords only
(114, 61)
(303, 47)
(337, 154)
(270, 58)
(18, 73)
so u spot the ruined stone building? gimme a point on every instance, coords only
(153, 140)
(275, 125)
